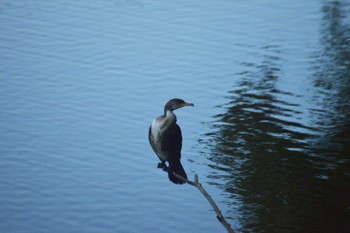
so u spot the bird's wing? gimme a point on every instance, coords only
(173, 142)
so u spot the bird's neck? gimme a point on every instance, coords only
(169, 118)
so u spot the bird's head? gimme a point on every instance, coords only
(175, 104)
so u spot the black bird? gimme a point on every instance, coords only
(166, 140)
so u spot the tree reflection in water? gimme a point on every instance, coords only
(289, 176)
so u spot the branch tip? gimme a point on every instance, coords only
(196, 178)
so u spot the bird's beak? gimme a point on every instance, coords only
(188, 104)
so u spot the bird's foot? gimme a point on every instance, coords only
(163, 166)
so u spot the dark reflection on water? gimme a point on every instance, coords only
(290, 176)
(332, 76)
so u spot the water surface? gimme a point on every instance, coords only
(81, 81)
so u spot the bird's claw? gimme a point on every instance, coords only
(163, 166)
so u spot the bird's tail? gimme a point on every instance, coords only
(176, 167)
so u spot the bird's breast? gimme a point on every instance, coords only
(157, 133)
(156, 128)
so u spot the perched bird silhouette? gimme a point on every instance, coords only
(166, 140)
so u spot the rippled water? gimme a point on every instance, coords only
(81, 81)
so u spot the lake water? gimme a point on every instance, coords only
(269, 136)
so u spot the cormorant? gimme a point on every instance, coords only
(165, 138)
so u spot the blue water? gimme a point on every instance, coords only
(81, 81)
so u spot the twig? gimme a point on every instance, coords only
(199, 186)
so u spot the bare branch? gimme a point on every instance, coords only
(199, 186)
